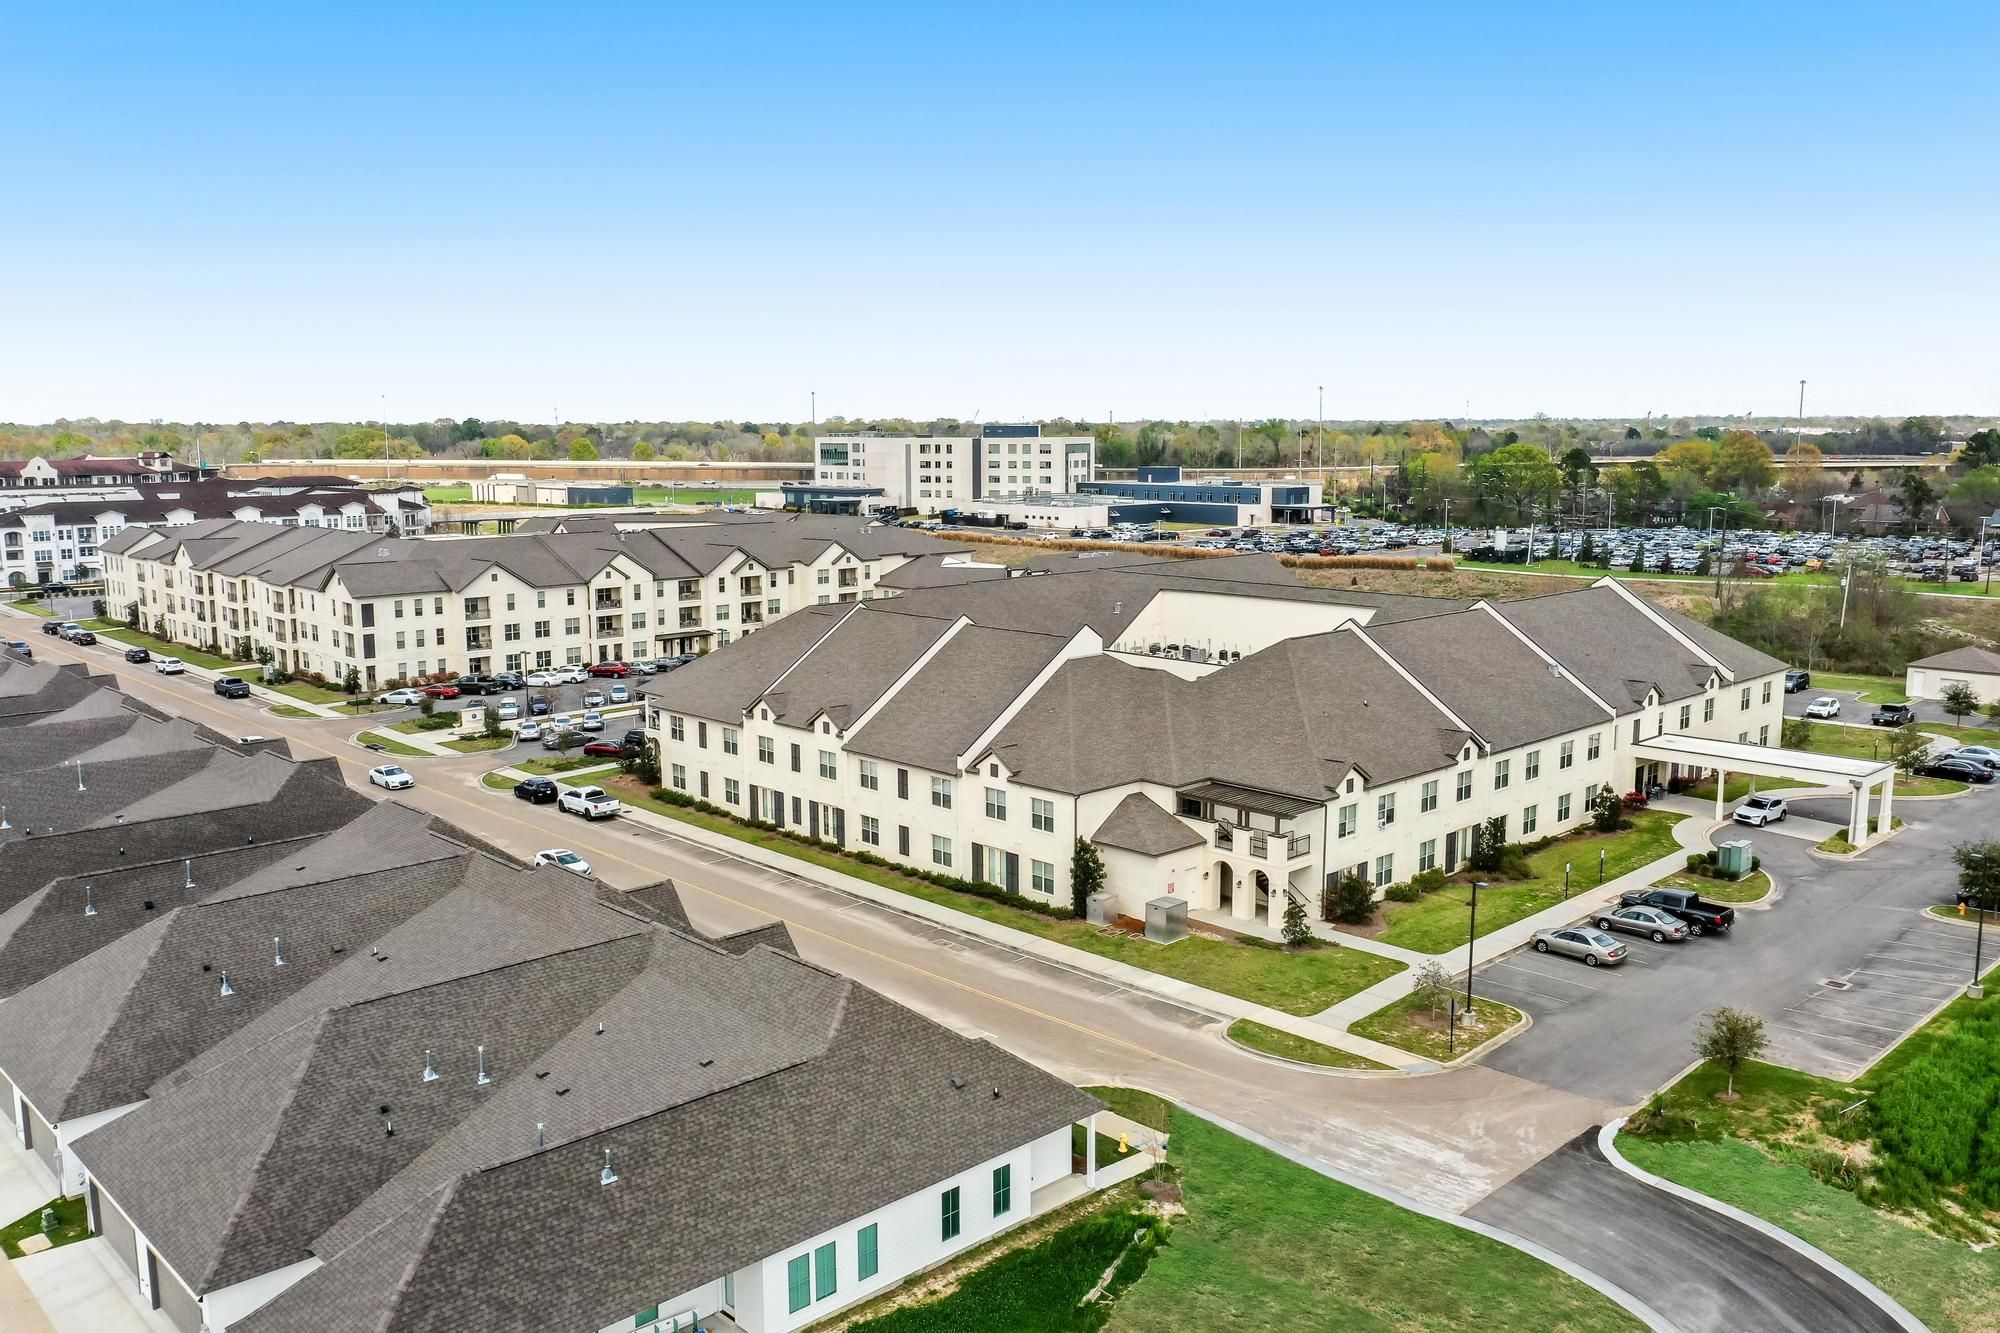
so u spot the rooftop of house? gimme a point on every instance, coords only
(1968, 658)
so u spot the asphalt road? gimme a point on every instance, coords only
(1615, 1034)
(1450, 1139)
(1696, 1268)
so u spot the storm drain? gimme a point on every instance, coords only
(1837, 983)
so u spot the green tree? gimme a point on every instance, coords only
(1795, 733)
(1607, 811)
(1353, 900)
(566, 741)
(642, 452)
(426, 705)
(1730, 1038)
(351, 682)
(1742, 464)
(1434, 988)
(1915, 497)
(1517, 475)
(1908, 748)
(1959, 699)
(1298, 933)
(1979, 874)
(1086, 876)
(581, 450)
(489, 724)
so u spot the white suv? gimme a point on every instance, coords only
(1761, 810)
(1824, 706)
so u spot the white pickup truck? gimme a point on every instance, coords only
(590, 802)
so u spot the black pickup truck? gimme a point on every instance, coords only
(1701, 915)
(480, 685)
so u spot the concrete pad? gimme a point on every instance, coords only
(34, 1244)
(24, 1182)
(81, 1288)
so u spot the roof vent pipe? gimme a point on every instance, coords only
(89, 907)
(607, 1176)
(277, 952)
(541, 1138)
(484, 1077)
(430, 1070)
(227, 989)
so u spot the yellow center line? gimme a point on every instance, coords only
(489, 811)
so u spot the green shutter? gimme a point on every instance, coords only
(824, 1277)
(649, 1315)
(1003, 1189)
(865, 1245)
(798, 1275)
(951, 1212)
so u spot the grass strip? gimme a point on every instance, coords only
(1284, 1045)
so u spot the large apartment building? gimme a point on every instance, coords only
(59, 538)
(931, 472)
(1223, 734)
(398, 609)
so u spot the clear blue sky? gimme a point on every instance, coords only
(678, 211)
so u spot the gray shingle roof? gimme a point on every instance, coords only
(1962, 659)
(1610, 645)
(721, 686)
(1486, 675)
(848, 669)
(1138, 824)
(947, 705)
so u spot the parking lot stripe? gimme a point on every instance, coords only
(1920, 948)
(1834, 1016)
(1937, 985)
(1545, 976)
(1523, 990)
(1828, 1036)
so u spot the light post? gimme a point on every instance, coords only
(1975, 990)
(1471, 934)
(1600, 867)
(1565, 881)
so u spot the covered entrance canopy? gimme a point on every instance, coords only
(1859, 776)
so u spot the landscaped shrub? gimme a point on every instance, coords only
(1607, 812)
(1406, 892)
(1355, 900)
(1428, 881)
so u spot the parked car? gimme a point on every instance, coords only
(510, 679)
(540, 791)
(609, 669)
(1824, 706)
(603, 749)
(1893, 715)
(593, 698)
(1594, 947)
(1702, 916)
(442, 691)
(20, 650)
(591, 722)
(1951, 766)
(54, 627)
(70, 629)
(507, 710)
(573, 674)
(528, 731)
(540, 679)
(137, 655)
(1654, 924)
(636, 738)
(620, 695)
(1796, 681)
(645, 668)
(232, 687)
(590, 802)
(480, 685)
(1976, 754)
(391, 776)
(1761, 810)
(169, 666)
(552, 737)
(538, 707)
(83, 637)
(406, 697)
(562, 722)
(562, 858)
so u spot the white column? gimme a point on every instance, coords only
(1090, 1151)
(1888, 799)
(1857, 815)
(1721, 781)
(1243, 894)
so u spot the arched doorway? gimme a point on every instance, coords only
(1262, 906)
(1225, 886)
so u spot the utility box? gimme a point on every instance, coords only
(1166, 920)
(1097, 909)
(1733, 858)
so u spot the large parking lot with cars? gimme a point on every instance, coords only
(1840, 962)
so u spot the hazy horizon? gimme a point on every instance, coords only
(609, 213)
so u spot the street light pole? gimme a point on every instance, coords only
(1975, 990)
(1471, 934)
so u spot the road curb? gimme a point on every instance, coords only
(1603, 1286)
(1606, 1144)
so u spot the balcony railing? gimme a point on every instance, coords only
(690, 620)
(608, 601)
(1263, 844)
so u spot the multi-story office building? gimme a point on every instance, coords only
(394, 609)
(931, 472)
(1222, 733)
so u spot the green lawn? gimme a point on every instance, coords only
(311, 693)
(689, 495)
(1944, 1283)
(1872, 689)
(1793, 578)
(448, 494)
(1438, 921)
(291, 710)
(391, 745)
(1276, 1041)
(365, 708)
(1137, 1105)
(1739, 786)
(496, 782)
(35, 608)
(1269, 1245)
(548, 766)
(72, 1224)
(1405, 1024)
(132, 638)
(1296, 983)
(1951, 912)
(479, 744)
(1753, 887)
(1849, 741)
(1961, 733)
(417, 725)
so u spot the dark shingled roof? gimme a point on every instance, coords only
(1963, 659)
(1483, 672)
(1138, 824)
(848, 670)
(1611, 646)
(943, 709)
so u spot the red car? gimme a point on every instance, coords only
(441, 691)
(603, 749)
(610, 669)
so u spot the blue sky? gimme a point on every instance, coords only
(605, 211)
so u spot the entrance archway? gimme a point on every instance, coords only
(1263, 903)
(1225, 887)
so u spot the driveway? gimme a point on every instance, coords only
(1615, 1034)
(1720, 1274)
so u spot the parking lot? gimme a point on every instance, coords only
(1840, 962)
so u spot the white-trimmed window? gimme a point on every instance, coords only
(1042, 877)
(1427, 854)
(996, 803)
(941, 793)
(829, 765)
(871, 776)
(940, 850)
(1041, 815)
(1385, 871)
(1530, 816)
(871, 830)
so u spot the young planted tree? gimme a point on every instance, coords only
(1730, 1038)
(1607, 811)
(1959, 699)
(1086, 876)
(351, 682)
(1795, 733)
(427, 705)
(1298, 932)
(1907, 749)
(1434, 988)
(490, 724)
(1354, 900)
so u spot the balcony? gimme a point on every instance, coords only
(1262, 844)
(850, 578)
(608, 601)
(610, 625)
(478, 608)
(690, 619)
(478, 640)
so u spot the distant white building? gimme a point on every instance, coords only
(930, 472)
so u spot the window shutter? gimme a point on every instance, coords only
(865, 1245)
(798, 1276)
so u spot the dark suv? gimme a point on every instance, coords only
(1796, 681)
(1893, 715)
(540, 791)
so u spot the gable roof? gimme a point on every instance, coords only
(1138, 824)
(1968, 658)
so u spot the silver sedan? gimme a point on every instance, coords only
(1655, 925)
(1594, 947)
